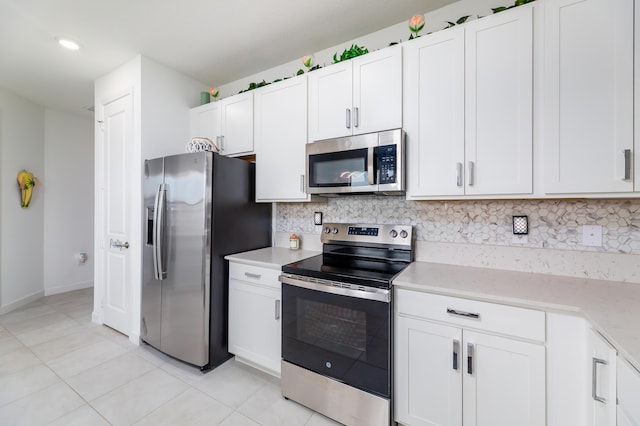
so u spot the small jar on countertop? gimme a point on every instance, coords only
(294, 242)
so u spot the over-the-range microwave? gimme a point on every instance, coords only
(361, 164)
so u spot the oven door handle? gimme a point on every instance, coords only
(378, 294)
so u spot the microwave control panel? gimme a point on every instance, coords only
(386, 163)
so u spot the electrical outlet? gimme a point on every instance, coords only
(592, 235)
(317, 218)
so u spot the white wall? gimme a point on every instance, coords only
(68, 219)
(162, 99)
(167, 97)
(21, 230)
(434, 21)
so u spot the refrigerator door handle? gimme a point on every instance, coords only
(154, 231)
(159, 233)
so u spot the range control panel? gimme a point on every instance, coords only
(364, 233)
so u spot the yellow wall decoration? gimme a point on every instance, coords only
(26, 182)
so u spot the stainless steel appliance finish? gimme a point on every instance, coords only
(337, 318)
(331, 398)
(197, 208)
(368, 163)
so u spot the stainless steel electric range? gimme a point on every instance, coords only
(337, 322)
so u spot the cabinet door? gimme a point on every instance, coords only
(588, 95)
(254, 324)
(499, 103)
(377, 91)
(280, 153)
(628, 394)
(602, 381)
(503, 381)
(205, 121)
(237, 123)
(330, 102)
(434, 114)
(428, 365)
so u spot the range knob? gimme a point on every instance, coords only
(393, 233)
(335, 230)
(404, 234)
(327, 230)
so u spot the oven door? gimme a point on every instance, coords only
(339, 332)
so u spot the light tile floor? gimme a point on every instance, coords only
(58, 368)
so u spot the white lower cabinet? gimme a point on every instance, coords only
(601, 408)
(254, 316)
(628, 413)
(453, 375)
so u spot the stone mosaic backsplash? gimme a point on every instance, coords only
(553, 224)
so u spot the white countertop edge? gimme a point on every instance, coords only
(522, 303)
(271, 257)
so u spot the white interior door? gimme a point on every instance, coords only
(117, 136)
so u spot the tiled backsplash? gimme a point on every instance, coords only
(553, 224)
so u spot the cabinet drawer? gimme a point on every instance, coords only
(254, 274)
(508, 320)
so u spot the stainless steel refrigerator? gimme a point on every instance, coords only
(198, 208)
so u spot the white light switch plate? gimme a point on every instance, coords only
(592, 235)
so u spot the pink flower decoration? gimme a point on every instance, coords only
(416, 23)
(306, 60)
(214, 92)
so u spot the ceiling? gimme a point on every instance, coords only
(213, 41)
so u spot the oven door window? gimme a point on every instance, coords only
(342, 168)
(342, 337)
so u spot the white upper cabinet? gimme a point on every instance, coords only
(434, 113)
(237, 125)
(468, 109)
(280, 136)
(205, 121)
(588, 96)
(228, 123)
(358, 96)
(499, 103)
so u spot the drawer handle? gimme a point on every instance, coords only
(456, 352)
(250, 275)
(594, 380)
(463, 313)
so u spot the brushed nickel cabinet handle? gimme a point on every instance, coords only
(463, 313)
(594, 380)
(627, 164)
(456, 353)
(348, 118)
(250, 275)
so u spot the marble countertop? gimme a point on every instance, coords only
(271, 257)
(612, 307)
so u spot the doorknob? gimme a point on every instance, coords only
(119, 244)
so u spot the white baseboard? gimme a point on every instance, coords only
(96, 317)
(21, 302)
(66, 288)
(135, 339)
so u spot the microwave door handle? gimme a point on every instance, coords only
(370, 172)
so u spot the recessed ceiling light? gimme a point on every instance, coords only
(68, 44)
